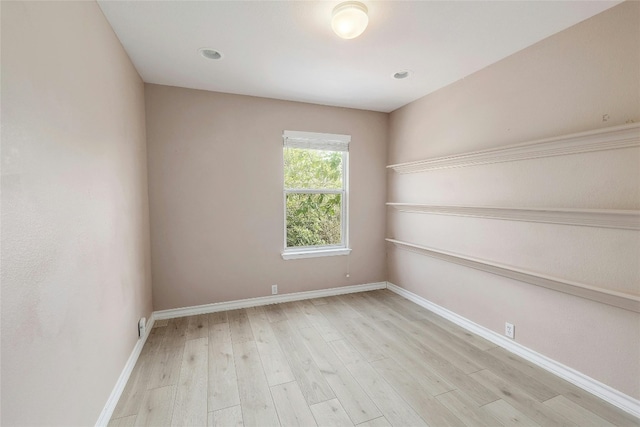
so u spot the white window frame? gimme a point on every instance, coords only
(330, 142)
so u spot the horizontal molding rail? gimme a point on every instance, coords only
(604, 218)
(612, 138)
(617, 299)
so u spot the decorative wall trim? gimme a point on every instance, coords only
(605, 218)
(612, 138)
(271, 299)
(110, 406)
(617, 299)
(603, 391)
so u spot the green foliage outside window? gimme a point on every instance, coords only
(313, 219)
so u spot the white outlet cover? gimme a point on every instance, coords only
(274, 289)
(509, 330)
(142, 325)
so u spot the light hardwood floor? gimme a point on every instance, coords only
(366, 359)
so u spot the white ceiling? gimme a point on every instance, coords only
(287, 50)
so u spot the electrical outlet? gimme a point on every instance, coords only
(509, 330)
(142, 326)
(274, 289)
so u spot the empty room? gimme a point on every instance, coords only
(320, 213)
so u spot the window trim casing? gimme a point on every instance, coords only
(343, 248)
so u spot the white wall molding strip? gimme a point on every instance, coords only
(604, 218)
(606, 296)
(603, 391)
(612, 138)
(110, 406)
(271, 299)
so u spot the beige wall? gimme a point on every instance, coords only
(216, 201)
(75, 245)
(561, 85)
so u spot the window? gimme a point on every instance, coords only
(315, 194)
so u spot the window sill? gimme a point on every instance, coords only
(315, 253)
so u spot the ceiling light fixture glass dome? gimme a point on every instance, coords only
(349, 19)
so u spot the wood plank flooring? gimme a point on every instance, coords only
(365, 359)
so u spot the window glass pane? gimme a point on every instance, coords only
(313, 219)
(319, 169)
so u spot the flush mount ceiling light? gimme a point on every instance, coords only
(210, 53)
(349, 19)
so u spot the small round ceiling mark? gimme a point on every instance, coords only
(210, 53)
(404, 74)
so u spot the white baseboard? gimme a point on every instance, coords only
(595, 387)
(110, 406)
(271, 299)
